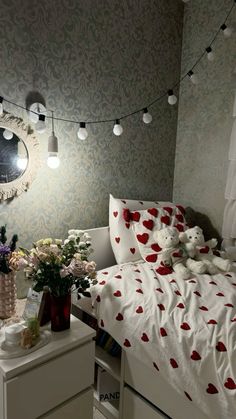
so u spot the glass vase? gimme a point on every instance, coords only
(60, 312)
(7, 294)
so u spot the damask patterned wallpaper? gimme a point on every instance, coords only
(205, 111)
(92, 59)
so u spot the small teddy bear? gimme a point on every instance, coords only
(171, 257)
(197, 248)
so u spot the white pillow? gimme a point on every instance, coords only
(122, 236)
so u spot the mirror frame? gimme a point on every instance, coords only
(25, 133)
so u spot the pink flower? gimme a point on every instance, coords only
(76, 267)
(90, 267)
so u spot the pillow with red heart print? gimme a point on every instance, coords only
(122, 236)
(145, 222)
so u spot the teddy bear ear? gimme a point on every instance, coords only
(183, 238)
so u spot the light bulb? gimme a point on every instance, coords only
(40, 126)
(53, 161)
(22, 163)
(147, 117)
(172, 99)
(117, 129)
(1, 105)
(193, 77)
(226, 30)
(82, 133)
(8, 135)
(210, 54)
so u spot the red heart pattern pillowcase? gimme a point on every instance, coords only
(145, 222)
(122, 236)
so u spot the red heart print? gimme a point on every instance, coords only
(229, 305)
(233, 320)
(180, 227)
(144, 337)
(127, 225)
(139, 310)
(118, 276)
(102, 323)
(172, 281)
(155, 366)
(177, 292)
(177, 254)
(212, 283)
(126, 214)
(151, 258)
(115, 213)
(98, 298)
(160, 290)
(105, 273)
(119, 317)
(138, 280)
(173, 363)
(211, 389)
(188, 396)
(155, 247)
(180, 208)
(153, 211)
(137, 270)
(117, 293)
(180, 305)
(139, 291)
(230, 384)
(197, 293)
(204, 250)
(230, 276)
(161, 307)
(148, 224)
(132, 249)
(135, 216)
(168, 209)
(221, 347)
(234, 284)
(143, 238)
(124, 202)
(165, 220)
(179, 218)
(164, 270)
(195, 356)
(127, 343)
(117, 239)
(102, 283)
(203, 308)
(212, 321)
(192, 281)
(163, 332)
(185, 326)
(220, 294)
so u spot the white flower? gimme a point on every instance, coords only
(58, 241)
(39, 243)
(72, 237)
(66, 241)
(82, 244)
(87, 236)
(71, 232)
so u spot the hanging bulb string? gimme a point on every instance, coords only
(159, 98)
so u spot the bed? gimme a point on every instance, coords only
(178, 338)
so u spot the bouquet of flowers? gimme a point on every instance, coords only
(58, 265)
(6, 250)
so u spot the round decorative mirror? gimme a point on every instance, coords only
(19, 156)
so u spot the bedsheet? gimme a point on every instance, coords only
(184, 330)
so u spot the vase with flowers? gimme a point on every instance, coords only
(7, 275)
(61, 267)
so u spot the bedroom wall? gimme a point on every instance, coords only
(91, 60)
(205, 111)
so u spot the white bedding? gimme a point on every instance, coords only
(184, 330)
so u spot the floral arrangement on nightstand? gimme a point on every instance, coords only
(58, 265)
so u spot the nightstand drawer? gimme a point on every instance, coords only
(135, 407)
(34, 393)
(80, 407)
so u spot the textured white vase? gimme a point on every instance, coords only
(7, 295)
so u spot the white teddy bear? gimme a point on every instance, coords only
(171, 257)
(197, 248)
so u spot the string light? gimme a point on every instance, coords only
(53, 160)
(22, 159)
(82, 133)
(40, 126)
(172, 99)
(210, 54)
(117, 129)
(193, 77)
(8, 135)
(147, 117)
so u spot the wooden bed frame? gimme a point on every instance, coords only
(143, 392)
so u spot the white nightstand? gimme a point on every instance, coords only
(53, 382)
